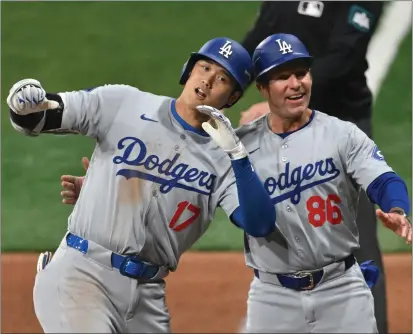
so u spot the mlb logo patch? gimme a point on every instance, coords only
(360, 18)
(311, 8)
(376, 154)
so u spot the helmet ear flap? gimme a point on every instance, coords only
(238, 92)
(184, 73)
(187, 69)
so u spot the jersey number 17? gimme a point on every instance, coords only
(182, 207)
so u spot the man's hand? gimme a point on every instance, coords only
(255, 111)
(72, 185)
(397, 223)
(27, 96)
(220, 129)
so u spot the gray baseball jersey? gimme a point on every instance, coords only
(152, 186)
(313, 176)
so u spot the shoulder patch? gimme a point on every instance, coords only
(360, 18)
(376, 154)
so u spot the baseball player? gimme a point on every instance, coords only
(337, 34)
(159, 170)
(312, 165)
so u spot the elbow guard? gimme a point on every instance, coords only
(49, 121)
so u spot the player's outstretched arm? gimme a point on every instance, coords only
(72, 185)
(256, 213)
(367, 167)
(90, 112)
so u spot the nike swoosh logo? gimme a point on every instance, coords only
(253, 150)
(143, 117)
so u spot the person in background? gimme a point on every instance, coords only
(337, 35)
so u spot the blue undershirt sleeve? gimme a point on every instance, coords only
(389, 191)
(256, 213)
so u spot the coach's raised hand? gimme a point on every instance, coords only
(27, 96)
(221, 131)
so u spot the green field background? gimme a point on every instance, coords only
(75, 45)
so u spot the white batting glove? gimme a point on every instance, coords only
(43, 260)
(222, 132)
(27, 96)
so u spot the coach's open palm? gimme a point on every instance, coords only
(72, 185)
(397, 223)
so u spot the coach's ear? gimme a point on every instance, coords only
(263, 89)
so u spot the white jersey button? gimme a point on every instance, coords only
(284, 146)
(183, 137)
(297, 239)
(176, 148)
(284, 159)
(288, 208)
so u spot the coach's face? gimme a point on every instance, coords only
(288, 89)
(209, 84)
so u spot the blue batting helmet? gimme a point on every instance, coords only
(278, 49)
(226, 52)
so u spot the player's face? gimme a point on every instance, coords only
(289, 89)
(210, 84)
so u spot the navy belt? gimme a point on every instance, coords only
(129, 266)
(306, 280)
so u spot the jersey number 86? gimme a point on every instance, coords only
(321, 210)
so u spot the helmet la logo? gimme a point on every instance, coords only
(284, 46)
(226, 49)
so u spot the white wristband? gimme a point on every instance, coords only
(238, 152)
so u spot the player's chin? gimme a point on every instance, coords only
(197, 101)
(211, 103)
(297, 108)
(296, 111)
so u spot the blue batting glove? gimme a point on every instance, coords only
(370, 272)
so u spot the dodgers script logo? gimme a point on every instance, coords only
(295, 179)
(135, 154)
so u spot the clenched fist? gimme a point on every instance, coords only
(27, 96)
(72, 185)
